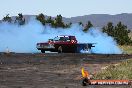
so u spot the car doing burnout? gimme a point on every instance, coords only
(65, 44)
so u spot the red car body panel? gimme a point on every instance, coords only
(67, 43)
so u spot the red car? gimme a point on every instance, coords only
(63, 43)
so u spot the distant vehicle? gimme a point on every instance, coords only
(64, 44)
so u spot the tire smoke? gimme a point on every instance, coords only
(23, 39)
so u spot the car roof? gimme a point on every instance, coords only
(65, 36)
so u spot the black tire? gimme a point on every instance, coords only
(42, 51)
(60, 50)
(73, 51)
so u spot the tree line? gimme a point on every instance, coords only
(119, 31)
(18, 19)
(57, 22)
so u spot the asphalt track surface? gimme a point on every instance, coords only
(26, 70)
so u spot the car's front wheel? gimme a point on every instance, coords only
(60, 50)
(43, 51)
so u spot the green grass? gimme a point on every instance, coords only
(130, 35)
(122, 70)
(126, 49)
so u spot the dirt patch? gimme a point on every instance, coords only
(52, 70)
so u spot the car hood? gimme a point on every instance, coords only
(46, 43)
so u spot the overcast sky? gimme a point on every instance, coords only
(68, 8)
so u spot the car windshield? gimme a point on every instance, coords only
(61, 38)
(56, 38)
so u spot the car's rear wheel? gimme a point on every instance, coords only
(43, 51)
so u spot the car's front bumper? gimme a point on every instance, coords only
(45, 47)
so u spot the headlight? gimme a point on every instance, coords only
(38, 45)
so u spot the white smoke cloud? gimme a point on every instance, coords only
(23, 39)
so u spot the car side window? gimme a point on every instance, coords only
(61, 39)
(66, 39)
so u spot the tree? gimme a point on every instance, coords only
(7, 18)
(109, 29)
(58, 22)
(88, 25)
(119, 32)
(20, 19)
(49, 20)
(41, 18)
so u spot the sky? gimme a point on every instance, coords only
(67, 8)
